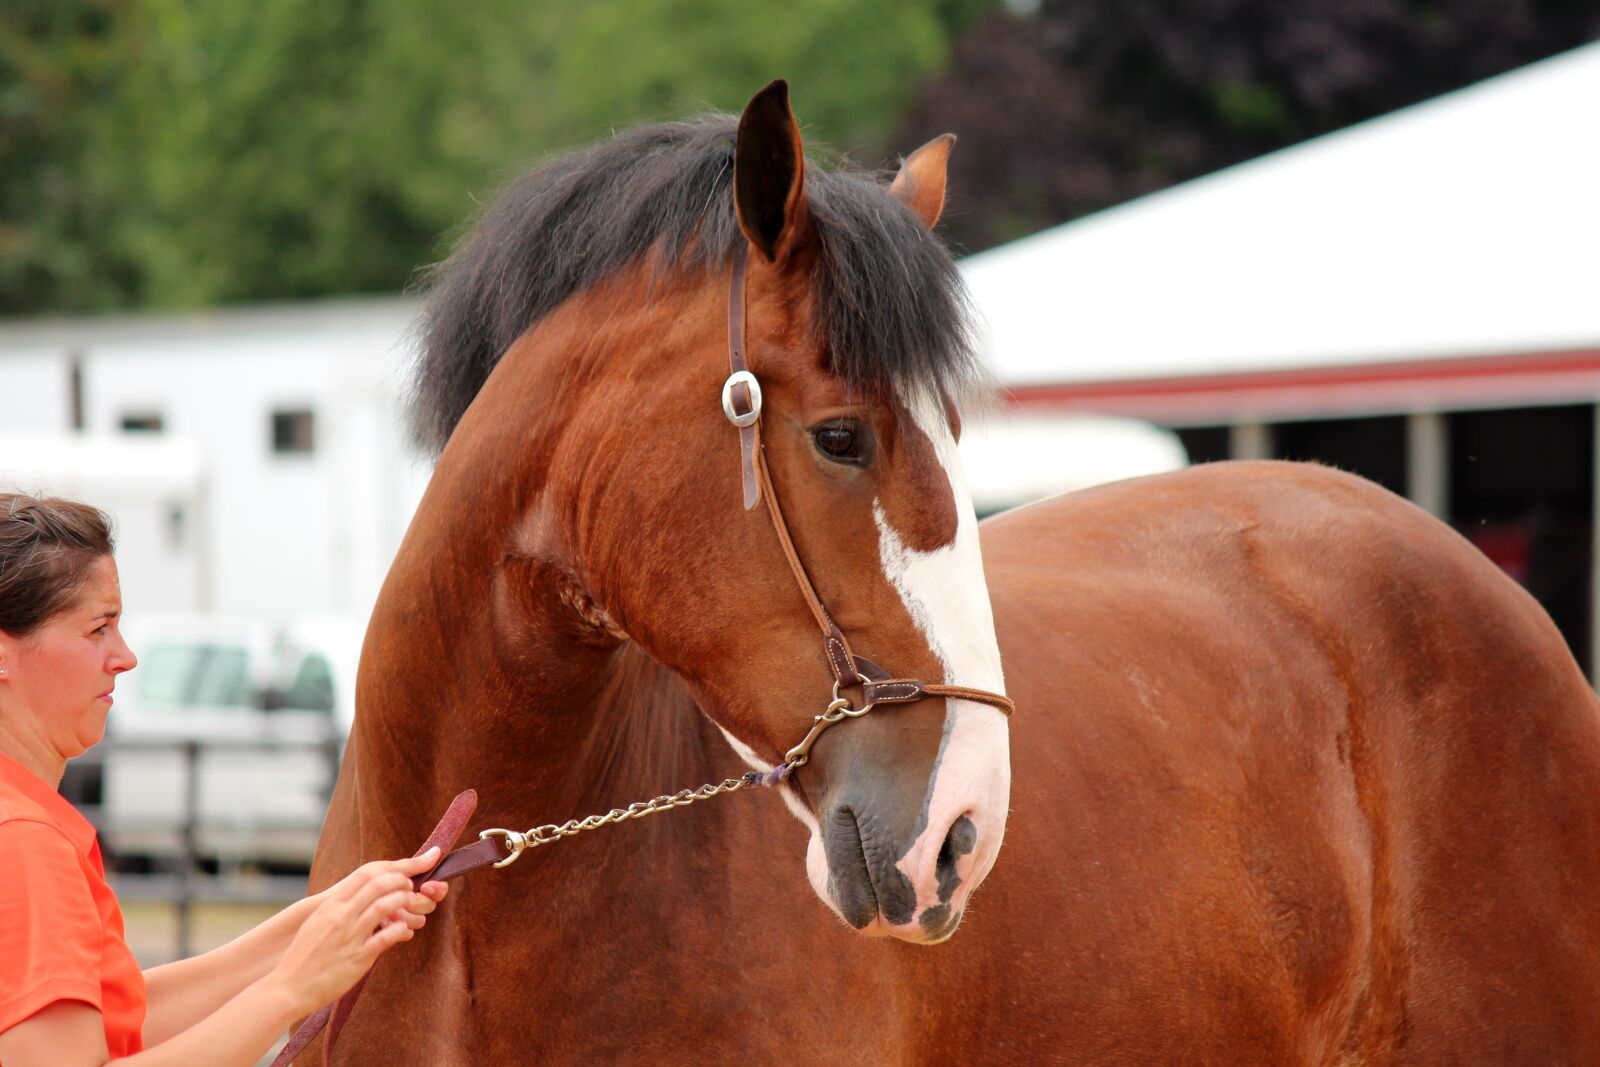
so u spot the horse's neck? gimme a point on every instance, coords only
(477, 671)
(641, 735)
(503, 699)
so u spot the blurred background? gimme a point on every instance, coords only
(1365, 232)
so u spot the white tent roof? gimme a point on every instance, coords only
(1463, 226)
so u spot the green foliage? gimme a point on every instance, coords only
(54, 55)
(189, 152)
(1250, 107)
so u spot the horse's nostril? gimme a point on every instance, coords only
(961, 839)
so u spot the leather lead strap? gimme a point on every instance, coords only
(480, 853)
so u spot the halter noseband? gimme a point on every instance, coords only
(741, 403)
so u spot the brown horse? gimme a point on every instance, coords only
(1299, 776)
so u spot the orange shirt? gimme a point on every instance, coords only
(60, 928)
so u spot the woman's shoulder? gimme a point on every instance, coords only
(30, 830)
(29, 825)
(29, 802)
(20, 808)
(22, 805)
(47, 877)
(46, 873)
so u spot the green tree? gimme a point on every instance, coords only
(54, 59)
(220, 152)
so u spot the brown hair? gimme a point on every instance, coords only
(47, 548)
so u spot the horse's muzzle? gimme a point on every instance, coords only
(912, 887)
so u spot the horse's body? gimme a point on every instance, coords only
(1304, 779)
(1299, 777)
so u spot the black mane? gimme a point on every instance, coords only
(891, 305)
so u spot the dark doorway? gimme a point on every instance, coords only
(1204, 444)
(1374, 448)
(1522, 490)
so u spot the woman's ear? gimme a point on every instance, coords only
(769, 174)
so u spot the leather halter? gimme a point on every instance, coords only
(741, 403)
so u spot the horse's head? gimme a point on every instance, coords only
(855, 330)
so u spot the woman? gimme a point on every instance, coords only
(70, 992)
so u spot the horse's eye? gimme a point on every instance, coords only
(843, 442)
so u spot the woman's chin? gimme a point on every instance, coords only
(93, 728)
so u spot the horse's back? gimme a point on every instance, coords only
(1309, 776)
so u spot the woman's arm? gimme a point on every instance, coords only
(333, 946)
(182, 993)
(69, 1033)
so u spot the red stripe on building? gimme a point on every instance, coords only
(1422, 385)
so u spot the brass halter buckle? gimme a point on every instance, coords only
(837, 711)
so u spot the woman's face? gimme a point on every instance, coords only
(58, 680)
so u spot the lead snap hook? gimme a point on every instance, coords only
(514, 843)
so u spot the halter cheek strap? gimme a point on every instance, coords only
(741, 403)
(741, 393)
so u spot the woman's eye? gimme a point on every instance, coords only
(842, 442)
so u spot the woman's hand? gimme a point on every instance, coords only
(415, 912)
(355, 920)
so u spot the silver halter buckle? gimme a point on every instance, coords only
(748, 380)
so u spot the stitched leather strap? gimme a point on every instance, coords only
(878, 686)
(480, 853)
(842, 664)
(901, 690)
(743, 402)
(758, 482)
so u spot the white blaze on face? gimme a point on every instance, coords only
(945, 593)
(947, 597)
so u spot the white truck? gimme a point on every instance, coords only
(226, 739)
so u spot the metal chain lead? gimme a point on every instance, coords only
(517, 843)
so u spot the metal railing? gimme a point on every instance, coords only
(186, 839)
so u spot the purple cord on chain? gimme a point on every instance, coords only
(768, 778)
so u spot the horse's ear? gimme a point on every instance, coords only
(769, 177)
(920, 183)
